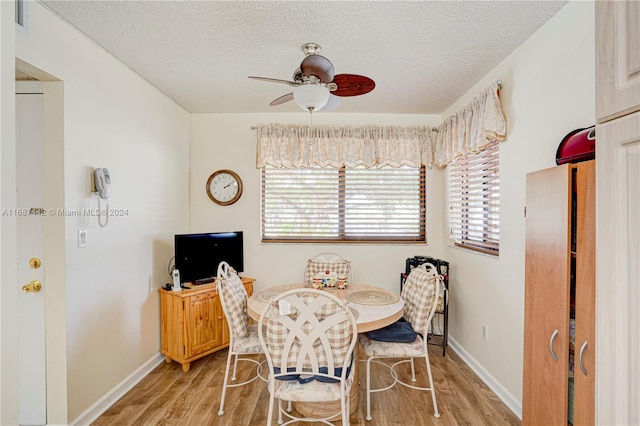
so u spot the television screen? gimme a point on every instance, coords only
(197, 255)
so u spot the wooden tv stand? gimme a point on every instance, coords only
(192, 323)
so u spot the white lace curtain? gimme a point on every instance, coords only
(302, 146)
(470, 129)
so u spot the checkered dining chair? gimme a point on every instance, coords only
(243, 336)
(327, 262)
(308, 339)
(420, 294)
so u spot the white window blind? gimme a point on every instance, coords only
(474, 197)
(343, 204)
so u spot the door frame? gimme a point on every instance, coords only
(54, 255)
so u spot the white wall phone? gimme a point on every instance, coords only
(102, 180)
(103, 183)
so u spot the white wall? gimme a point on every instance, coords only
(548, 90)
(226, 141)
(113, 119)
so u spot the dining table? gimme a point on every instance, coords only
(372, 308)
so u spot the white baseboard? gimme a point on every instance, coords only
(510, 401)
(101, 405)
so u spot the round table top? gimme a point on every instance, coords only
(372, 307)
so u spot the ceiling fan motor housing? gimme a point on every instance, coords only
(311, 49)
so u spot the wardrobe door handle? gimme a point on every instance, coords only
(584, 370)
(553, 337)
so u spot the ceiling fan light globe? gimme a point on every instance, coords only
(311, 97)
(333, 103)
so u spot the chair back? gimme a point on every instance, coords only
(420, 294)
(327, 262)
(308, 334)
(233, 298)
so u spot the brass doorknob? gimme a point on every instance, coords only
(33, 287)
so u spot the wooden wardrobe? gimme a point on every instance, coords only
(560, 296)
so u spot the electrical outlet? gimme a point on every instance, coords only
(82, 238)
(484, 331)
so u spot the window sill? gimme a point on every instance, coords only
(485, 252)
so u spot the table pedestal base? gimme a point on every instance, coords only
(324, 409)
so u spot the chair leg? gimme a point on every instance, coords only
(224, 384)
(368, 389)
(413, 371)
(436, 414)
(280, 420)
(270, 415)
(235, 367)
(346, 408)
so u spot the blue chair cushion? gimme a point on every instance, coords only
(307, 379)
(398, 332)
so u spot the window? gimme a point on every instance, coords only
(474, 197)
(343, 204)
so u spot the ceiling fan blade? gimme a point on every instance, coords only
(274, 80)
(352, 85)
(319, 66)
(282, 99)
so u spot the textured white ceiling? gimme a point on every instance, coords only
(423, 55)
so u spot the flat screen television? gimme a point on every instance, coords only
(197, 255)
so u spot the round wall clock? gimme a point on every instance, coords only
(224, 187)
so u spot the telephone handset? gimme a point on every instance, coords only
(103, 183)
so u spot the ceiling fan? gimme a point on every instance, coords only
(315, 84)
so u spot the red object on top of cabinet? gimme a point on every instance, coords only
(578, 145)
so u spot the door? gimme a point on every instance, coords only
(618, 271)
(30, 233)
(547, 293)
(203, 328)
(585, 340)
(617, 58)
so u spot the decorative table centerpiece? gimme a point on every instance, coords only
(329, 279)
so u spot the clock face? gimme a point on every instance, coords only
(224, 187)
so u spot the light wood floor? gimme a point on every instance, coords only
(168, 396)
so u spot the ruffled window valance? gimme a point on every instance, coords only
(302, 146)
(470, 129)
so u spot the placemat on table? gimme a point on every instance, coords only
(373, 297)
(266, 296)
